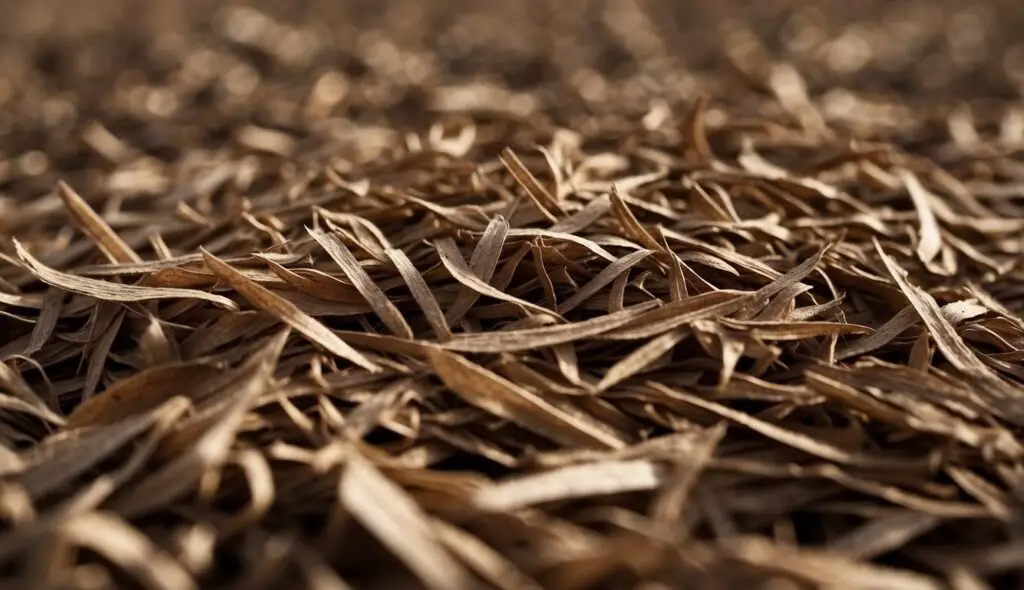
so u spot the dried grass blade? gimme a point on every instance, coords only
(211, 449)
(373, 294)
(389, 344)
(64, 456)
(632, 227)
(455, 216)
(13, 404)
(112, 246)
(483, 389)
(107, 327)
(568, 363)
(142, 392)
(991, 304)
(819, 567)
(155, 346)
(930, 235)
(582, 219)
(546, 284)
(421, 293)
(832, 388)
(319, 575)
(27, 300)
(53, 302)
(780, 331)
(395, 519)
(885, 334)
(748, 263)
(572, 482)
(1004, 397)
(956, 313)
(590, 245)
(785, 436)
(317, 283)
(998, 502)
(544, 200)
(533, 338)
(680, 313)
(94, 493)
(669, 504)
(127, 548)
(224, 330)
(481, 264)
(259, 479)
(641, 358)
(884, 534)
(452, 263)
(794, 276)
(366, 416)
(697, 150)
(676, 278)
(961, 577)
(482, 559)
(265, 300)
(12, 382)
(105, 291)
(603, 279)
(782, 305)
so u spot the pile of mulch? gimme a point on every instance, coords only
(581, 294)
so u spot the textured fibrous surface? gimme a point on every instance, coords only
(580, 294)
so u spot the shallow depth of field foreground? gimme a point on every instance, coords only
(574, 294)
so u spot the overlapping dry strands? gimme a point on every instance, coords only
(709, 345)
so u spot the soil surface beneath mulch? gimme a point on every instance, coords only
(518, 295)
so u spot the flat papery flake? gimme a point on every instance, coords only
(532, 295)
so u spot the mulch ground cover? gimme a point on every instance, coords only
(568, 295)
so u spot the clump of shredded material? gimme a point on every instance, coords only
(568, 295)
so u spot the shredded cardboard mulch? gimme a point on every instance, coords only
(582, 294)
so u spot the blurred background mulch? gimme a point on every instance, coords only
(187, 73)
